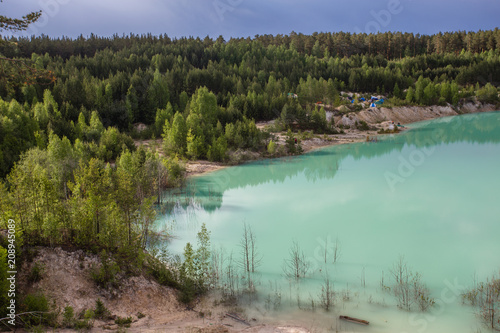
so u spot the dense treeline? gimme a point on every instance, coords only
(203, 97)
(150, 79)
(72, 175)
(128, 78)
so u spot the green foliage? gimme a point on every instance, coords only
(100, 311)
(4, 283)
(119, 82)
(35, 302)
(12, 24)
(217, 151)
(271, 147)
(396, 91)
(362, 125)
(162, 274)
(39, 303)
(203, 257)
(87, 320)
(204, 103)
(105, 276)
(291, 146)
(112, 143)
(410, 95)
(17, 134)
(68, 317)
(195, 145)
(175, 171)
(195, 269)
(36, 273)
(488, 94)
(163, 115)
(125, 322)
(175, 135)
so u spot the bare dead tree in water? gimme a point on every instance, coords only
(250, 258)
(486, 298)
(327, 295)
(296, 266)
(217, 266)
(408, 287)
(231, 286)
(402, 285)
(336, 251)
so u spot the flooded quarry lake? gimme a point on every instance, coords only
(424, 203)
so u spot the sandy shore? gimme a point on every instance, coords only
(200, 167)
(376, 118)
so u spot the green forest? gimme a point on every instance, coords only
(84, 87)
(71, 174)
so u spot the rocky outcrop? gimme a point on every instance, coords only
(409, 114)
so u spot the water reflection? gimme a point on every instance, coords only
(207, 192)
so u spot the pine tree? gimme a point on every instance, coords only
(396, 92)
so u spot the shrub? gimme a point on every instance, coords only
(38, 303)
(105, 276)
(68, 317)
(162, 274)
(35, 302)
(100, 311)
(362, 126)
(271, 147)
(175, 171)
(36, 273)
(290, 143)
(123, 321)
(188, 291)
(87, 322)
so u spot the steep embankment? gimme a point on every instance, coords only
(410, 114)
(66, 281)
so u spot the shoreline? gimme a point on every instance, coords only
(66, 280)
(377, 118)
(202, 167)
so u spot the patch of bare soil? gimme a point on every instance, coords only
(66, 281)
(155, 145)
(200, 167)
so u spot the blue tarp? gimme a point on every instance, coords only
(362, 99)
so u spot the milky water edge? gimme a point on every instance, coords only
(429, 194)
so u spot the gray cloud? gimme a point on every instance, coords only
(242, 18)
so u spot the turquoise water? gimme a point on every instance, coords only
(429, 194)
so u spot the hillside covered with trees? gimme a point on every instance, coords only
(120, 81)
(69, 108)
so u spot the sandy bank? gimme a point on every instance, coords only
(66, 281)
(377, 118)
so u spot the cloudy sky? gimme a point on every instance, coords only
(243, 18)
